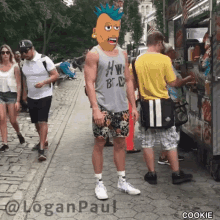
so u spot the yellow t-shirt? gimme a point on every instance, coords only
(154, 71)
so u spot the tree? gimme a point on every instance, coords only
(52, 15)
(159, 14)
(15, 20)
(134, 23)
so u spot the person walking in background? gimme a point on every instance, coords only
(176, 94)
(154, 71)
(10, 90)
(104, 64)
(39, 83)
(20, 63)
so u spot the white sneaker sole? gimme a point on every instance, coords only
(102, 198)
(42, 158)
(163, 163)
(129, 193)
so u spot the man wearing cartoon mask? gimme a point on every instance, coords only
(108, 85)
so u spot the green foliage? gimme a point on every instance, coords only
(57, 29)
(131, 22)
(159, 14)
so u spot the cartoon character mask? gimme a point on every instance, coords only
(107, 27)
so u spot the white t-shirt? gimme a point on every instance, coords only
(35, 72)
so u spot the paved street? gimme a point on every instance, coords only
(63, 186)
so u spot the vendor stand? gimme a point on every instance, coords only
(197, 43)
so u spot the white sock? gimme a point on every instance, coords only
(98, 176)
(121, 173)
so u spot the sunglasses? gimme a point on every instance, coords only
(5, 52)
(25, 51)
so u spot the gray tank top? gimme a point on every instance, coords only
(110, 84)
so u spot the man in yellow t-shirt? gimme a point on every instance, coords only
(154, 72)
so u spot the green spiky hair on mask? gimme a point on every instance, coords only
(113, 14)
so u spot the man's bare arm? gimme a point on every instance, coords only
(90, 73)
(130, 83)
(181, 82)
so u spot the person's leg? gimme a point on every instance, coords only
(169, 140)
(97, 155)
(33, 112)
(119, 153)
(148, 140)
(149, 159)
(97, 160)
(43, 108)
(13, 120)
(120, 125)
(3, 123)
(43, 130)
(37, 128)
(12, 113)
(173, 160)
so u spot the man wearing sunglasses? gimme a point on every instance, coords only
(39, 84)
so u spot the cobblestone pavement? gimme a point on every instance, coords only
(70, 180)
(67, 190)
(19, 165)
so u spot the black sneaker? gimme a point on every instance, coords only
(151, 178)
(21, 138)
(180, 158)
(109, 144)
(181, 177)
(163, 161)
(41, 156)
(4, 148)
(37, 146)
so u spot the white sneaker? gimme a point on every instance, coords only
(100, 190)
(124, 186)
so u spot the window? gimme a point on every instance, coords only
(142, 9)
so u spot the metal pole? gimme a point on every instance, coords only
(210, 18)
(164, 17)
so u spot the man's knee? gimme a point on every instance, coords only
(100, 140)
(119, 142)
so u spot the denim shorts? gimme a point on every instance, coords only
(8, 97)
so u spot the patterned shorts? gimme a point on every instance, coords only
(167, 137)
(116, 123)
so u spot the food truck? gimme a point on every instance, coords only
(197, 43)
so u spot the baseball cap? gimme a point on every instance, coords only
(24, 44)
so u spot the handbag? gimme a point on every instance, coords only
(180, 110)
(180, 113)
(157, 113)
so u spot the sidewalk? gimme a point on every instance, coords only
(62, 188)
(20, 166)
(67, 191)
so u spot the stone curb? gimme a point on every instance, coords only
(28, 200)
